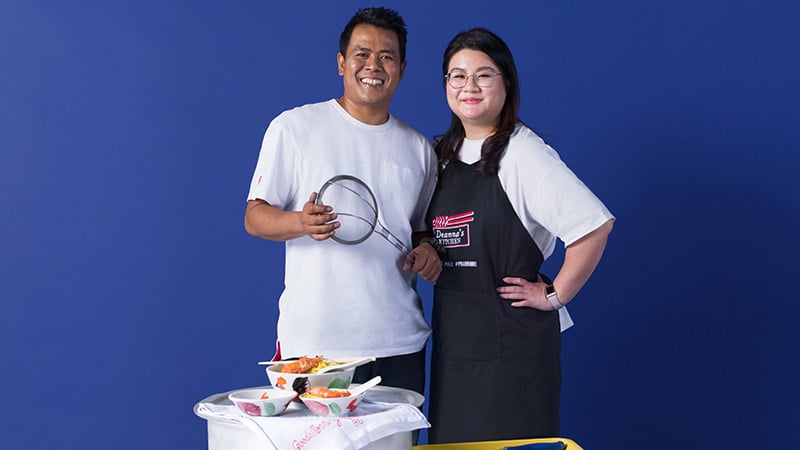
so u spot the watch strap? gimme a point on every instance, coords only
(552, 297)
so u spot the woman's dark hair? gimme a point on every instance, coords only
(449, 145)
(385, 18)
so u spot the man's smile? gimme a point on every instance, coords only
(372, 81)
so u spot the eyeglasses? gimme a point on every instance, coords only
(457, 79)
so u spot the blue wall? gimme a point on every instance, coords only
(128, 135)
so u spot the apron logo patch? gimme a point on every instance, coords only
(453, 231)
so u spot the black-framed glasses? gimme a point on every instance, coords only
(484, 78)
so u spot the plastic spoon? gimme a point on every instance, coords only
(346, 365)
(272, 363)
(360, 389)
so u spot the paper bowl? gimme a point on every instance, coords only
(298, 382)
(263, 402)
(332, 407)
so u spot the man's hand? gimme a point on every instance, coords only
(317, 221)
(424, 260)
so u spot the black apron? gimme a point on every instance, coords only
(495, 368)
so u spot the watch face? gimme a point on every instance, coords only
(552, 297)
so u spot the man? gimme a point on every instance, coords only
(341, 300)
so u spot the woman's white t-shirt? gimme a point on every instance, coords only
(549, 199)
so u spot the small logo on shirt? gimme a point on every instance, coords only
(453, 231)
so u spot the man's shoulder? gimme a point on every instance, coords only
(411, 132)
(301, 116)
(309, 109)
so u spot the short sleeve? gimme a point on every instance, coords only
(274, 179)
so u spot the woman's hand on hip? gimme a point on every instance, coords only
(524, 293)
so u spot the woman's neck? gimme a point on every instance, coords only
(478, 132)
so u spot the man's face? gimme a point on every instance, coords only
(371, 69)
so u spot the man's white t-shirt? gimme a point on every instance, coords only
(348, 300)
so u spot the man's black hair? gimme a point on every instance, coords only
(379, 17)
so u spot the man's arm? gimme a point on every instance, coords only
(265, 221)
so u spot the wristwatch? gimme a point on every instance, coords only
(552, 297)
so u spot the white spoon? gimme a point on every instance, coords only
(346, 365)
(272, 363)
(361, 389)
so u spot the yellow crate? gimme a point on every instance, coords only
(495, 445)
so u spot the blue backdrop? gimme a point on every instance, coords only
(129, 132)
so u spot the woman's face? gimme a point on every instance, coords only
(478, 107)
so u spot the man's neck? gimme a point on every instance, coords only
(370, 115)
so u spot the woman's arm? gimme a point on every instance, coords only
(580, 260)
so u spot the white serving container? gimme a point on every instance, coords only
(229, 434)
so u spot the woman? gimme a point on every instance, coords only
(503, 198)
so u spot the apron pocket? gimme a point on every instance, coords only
(464, 324)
